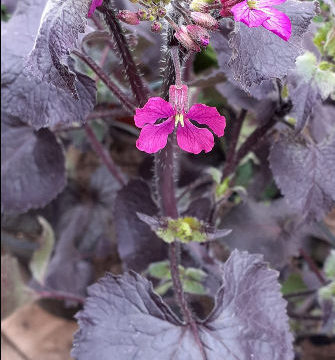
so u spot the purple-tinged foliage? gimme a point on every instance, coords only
(32, 167)
(304, 171)
(308, 85)
(260, 55)
(138, 245)
(82, 230)
(266, 229)
(124, 317)
(34, 102)
(61, 24)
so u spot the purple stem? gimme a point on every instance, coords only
(140, 91)
(103, 154)
(313, 267)
(122, 97)
(164, 170)
(250, 144)
(61, 295)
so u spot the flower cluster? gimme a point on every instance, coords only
(193, 139)
(199, 17)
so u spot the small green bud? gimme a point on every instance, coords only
(156, 27)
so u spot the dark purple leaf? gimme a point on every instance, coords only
(249, 320)
(199, 208)
(29, 99)
(304, 97)
(32, 167)
(323, 121)
(137, 244)
(62, 23)
(123, 318)
(260, 55)
(235, 91)
(82, 231)
(265, 229)
(308, 85)
(304, 173)
(67, 270)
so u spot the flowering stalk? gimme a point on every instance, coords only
(164, 171)
(140, 91)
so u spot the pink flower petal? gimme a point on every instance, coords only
(250, 17)
(94, 5)
(208, 115)
(193, 139)
(279, 23)
(255, 18)
(156, 108)
(154, 137)
(240, 10)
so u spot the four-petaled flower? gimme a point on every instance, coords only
(94, 5)
(154, 134)
(255, 13)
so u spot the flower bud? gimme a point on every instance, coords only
(205, 20)
(156, 26)
(199, 5)
(184, 38)
(198, 34)
(129, 17)
(161, 12)
(142, 14)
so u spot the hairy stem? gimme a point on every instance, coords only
(164, 169)
(128, 104)
(103, 154)
(140, 91)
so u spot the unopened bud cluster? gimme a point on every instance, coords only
(193, 33)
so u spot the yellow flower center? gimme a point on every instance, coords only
(252, 4)
(179, 119)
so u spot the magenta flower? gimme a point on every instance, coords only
(255, 13)
(94, 5)
(154, 133)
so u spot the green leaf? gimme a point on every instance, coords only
(244, 174)
(41, 257)
(163, 288)
(195, 274)
(329, 266)
(193, 287)
(320, 75)
(293, 283)
(222, 188)
(160, 270)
